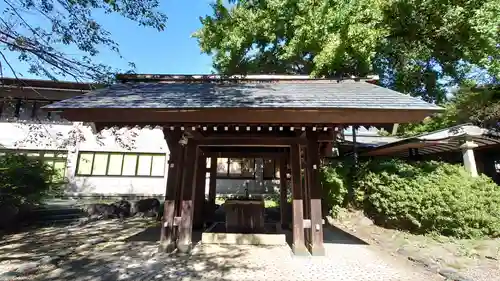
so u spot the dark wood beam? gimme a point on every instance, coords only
(167, 228)
(199, 196)
(184, 241)
(305, 195)
(283, 192)
(298, 245)
(314, 193)
(249, 142)
(194, 133)
(212, 187)
(244, 154)
(245, 115)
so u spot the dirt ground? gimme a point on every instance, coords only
(466, 259)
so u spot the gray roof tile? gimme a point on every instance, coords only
(283, 94)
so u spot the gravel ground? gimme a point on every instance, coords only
(134, 259)
(463, 260)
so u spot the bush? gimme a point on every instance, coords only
(24, 180)
(336, 179)
(426, 197)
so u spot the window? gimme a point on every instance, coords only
(121, 164)
(55, 159)
(236, 168)
(271, 169)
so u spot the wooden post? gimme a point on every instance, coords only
(184, 242)
(298, 246)
(316, 231)
(305, 191)
(167, 228)
(283, 193)
(199, 196)
(179, 178)
(212, 187)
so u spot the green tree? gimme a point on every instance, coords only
(37, 29)
(411, 44)
(479, 105)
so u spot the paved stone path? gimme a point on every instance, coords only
(345, 260)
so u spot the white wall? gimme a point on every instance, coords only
(75, 137)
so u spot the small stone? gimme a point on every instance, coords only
(56, 273)
(96, 240)
(452, 275)
(403, 252)
(48, 260)
(8, 274)
(83, 247)
(27, 268)
(491, 258)
(364, 221)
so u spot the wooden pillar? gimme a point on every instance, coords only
(283, 193)
(298, 246)
(350, 190)
(212, 187)
(167, 229)
(305, 192)
(314, 193)
(184, 241)
(199, 196)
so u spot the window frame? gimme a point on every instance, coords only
(123, 154)
(229, 175)
(275, 169)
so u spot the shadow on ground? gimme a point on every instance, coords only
(152, 234)
(332, 235)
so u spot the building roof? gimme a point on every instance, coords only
(253, 93)
(47, 90)
(444, 140)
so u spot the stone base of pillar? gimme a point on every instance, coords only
(317, 250)
(300, 250)
(166, 247)
(184, 247)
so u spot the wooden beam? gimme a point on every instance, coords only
(195, 134)
(167, 230)
(305, 195)
(298, 245)
(283, 192)
(184, 242)
(314, 193)
(212, 187)
(244, 154)
(251, 142)
(246, 115)
(199, 196)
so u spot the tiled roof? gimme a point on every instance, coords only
(251, 94)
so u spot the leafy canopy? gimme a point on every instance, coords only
(477, 105)
(38, 31)
(411, 44)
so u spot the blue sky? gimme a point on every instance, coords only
(172, 51)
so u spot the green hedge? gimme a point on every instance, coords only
(24, 180)
(421, 197)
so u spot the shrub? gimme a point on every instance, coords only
(335, 181)
(24, 180)
(428, 197)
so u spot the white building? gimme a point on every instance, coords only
(112, 162)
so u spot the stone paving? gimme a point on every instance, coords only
(346, 259)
